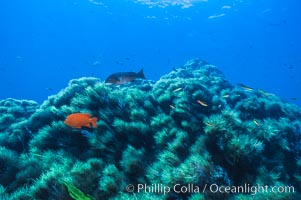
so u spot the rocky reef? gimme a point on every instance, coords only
(190, 135)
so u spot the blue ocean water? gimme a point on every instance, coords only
(44, 44)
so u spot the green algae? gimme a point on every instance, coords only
(150, 133)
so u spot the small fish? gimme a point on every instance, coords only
(49, 89)
(256, 122)
(294, 98)
(178, 89)
(209, 124)
(266, 10)
(216, 16)
(226, 96)
(173, 107)
(124, 77)
(290, 67)
(96, 2)
(226, 7)
(264, 92)
(202, 103)
(19, 58)
(247, 88)
(79, 120)
(174, 69)
(86, 133)
(95, 63)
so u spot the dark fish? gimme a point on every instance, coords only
(124, 77)
(247, 88)
(49, 89)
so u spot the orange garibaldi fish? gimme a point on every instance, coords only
(79, 120)
(124, 77)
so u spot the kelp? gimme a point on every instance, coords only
(76, 193)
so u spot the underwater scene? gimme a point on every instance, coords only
(150, 99)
